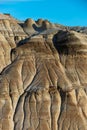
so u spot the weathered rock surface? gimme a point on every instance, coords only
(79, 29)
(10, 34)
(45, 85)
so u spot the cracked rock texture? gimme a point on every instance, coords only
(43, 79)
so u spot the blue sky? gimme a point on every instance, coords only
(66, 12)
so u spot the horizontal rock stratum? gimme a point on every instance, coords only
(43, 76)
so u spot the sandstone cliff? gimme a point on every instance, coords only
(43, 80)
(10, 34)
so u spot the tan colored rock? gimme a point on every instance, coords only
(32, 27)
(10, 34)
(39, 22)
(44, 86)
(47, 25)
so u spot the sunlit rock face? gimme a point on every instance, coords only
(44, 86)
(72, 48)
(10, 34)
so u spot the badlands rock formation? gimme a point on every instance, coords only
(10, 34)
(43, 79)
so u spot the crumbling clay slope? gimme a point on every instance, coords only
(45, 85)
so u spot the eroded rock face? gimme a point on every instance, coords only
(44, 86)
(72, 48)
(10, 34)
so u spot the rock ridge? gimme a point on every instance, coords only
(43, 79)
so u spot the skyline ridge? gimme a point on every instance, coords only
(68, 13)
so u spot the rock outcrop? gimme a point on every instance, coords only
(43, 80)
(79, 29)
(10, 34)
